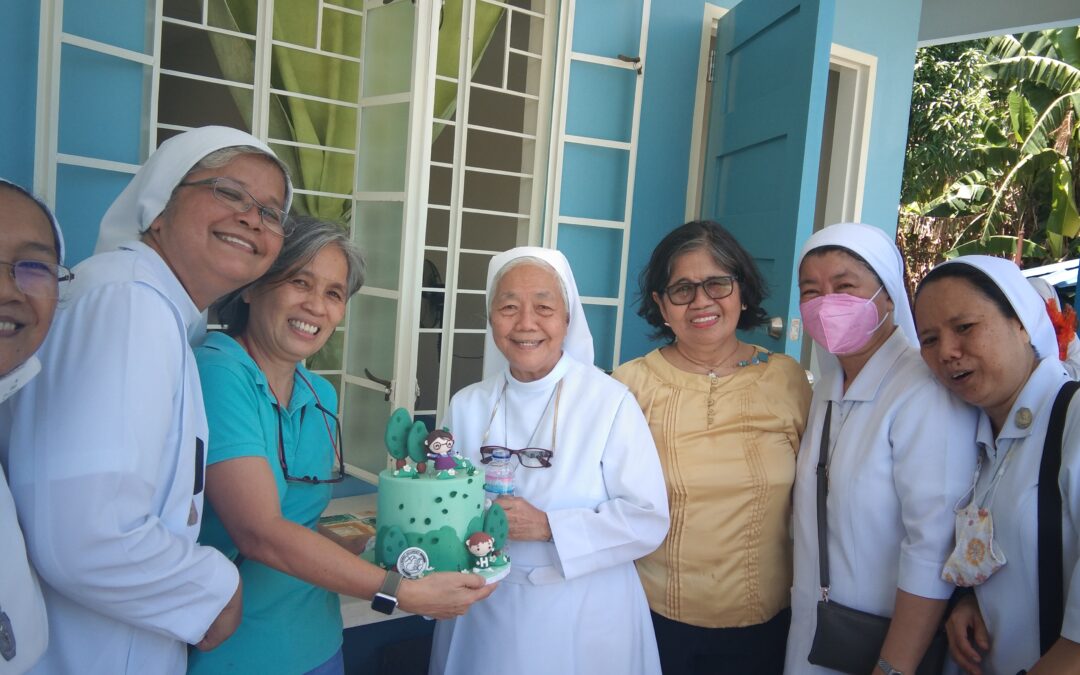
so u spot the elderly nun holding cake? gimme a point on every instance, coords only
(589, 491)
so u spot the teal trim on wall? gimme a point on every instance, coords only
(121, 23)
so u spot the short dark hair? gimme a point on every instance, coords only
(977, 278)
(305, 236)
(725, 250)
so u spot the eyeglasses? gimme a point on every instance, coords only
(335, 441)
(236, 197)
(530, 458)
(684, 292)
(40, 279)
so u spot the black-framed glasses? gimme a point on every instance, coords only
(40, 279)
(335, 441)
(530, 458)
(684, 292)
(236, 197)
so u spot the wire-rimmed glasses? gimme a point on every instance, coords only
(335, 441)
(530, 458)
(684, 292)
(38, 278)
(236, 197)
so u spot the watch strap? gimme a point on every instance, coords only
(390, 584)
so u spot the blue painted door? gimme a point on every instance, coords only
(764, 142)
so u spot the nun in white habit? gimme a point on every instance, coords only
(107, 444)
(573, 602)
(986, 334)
(29, 237)
(901, 451)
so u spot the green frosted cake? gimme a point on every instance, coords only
(432, 518)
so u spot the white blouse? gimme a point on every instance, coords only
(1009, 600)
(903, 452)
(104, 469)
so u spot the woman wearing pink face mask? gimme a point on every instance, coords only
(900, 453)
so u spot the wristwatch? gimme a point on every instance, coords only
(385, 600)
(886, 667)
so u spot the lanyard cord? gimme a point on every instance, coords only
(557, 394)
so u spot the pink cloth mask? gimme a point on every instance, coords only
(841, 323)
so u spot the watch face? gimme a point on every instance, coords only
(383, 603)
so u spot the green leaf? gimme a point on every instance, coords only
(1041, 135)
(1021, 115)
(1064, 221)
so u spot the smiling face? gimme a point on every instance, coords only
(291, 320)
(704, 321)
(25, 234)
(977, 352)
(529, 320)
(211, 248)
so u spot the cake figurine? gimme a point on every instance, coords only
(481, 547)
(425, 518)
(439, 443)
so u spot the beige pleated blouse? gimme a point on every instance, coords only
(727, 446)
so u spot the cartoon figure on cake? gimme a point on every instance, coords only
(481, 546)
(439, 443)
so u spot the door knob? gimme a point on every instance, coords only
(776, 327)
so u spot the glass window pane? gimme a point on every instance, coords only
(315, 74)
(341, 32)
(329, 357)
(471, 311)
(442, 143)
(489, 70)
(432, 305)
(348, 4)
(219, 104)
(472, 271)
(468, 361)
(493, 233)
(495, 109)
(494, 192)
(383, 147)
(489, 150)
(195, 51)
(390, 45)
(438, 227)
(372, 324)
(295, 21)
(378, 233)
(440, 184)
(427, 370)
(363, 427)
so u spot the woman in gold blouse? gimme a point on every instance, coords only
(726, 416)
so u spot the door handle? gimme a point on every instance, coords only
(776, 327)
(388, 385)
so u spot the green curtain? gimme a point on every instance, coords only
(293, 70)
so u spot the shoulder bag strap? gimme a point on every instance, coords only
(1051, 573)
(822, 495)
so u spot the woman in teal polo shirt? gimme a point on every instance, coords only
(274, 450)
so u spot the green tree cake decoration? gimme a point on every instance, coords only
(496, 525)
(415, 445)
(397, 432)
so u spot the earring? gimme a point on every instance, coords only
(667, 324)
(744, 308)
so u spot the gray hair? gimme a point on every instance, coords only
(305, 237)
(536, 262)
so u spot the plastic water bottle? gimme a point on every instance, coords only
(499, 476)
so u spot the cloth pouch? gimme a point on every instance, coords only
(849, 640)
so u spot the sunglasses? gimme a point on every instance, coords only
(530, 458)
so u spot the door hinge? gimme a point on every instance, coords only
(712, 64)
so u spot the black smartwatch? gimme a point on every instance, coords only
(385, 600)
